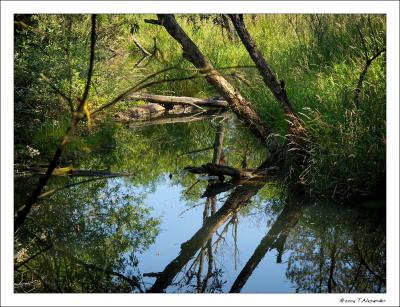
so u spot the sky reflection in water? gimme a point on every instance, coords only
(136, 225)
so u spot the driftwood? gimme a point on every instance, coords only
(180, 100)
(223, 170)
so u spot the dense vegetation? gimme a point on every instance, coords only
(88, 235)
(320, 57)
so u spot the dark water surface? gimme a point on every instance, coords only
(156, 231)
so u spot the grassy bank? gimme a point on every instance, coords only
(319, 57)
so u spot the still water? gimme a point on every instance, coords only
(161, 229)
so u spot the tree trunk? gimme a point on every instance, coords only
(240, 106)
(269, 77)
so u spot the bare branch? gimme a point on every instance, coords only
(153, 22)
(147, 53)
(132, 89)
(363, 74)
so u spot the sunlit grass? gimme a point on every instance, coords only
(319, 57)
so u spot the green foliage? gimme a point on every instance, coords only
(320, 57)
(99, 224)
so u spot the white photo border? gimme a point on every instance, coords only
(9, 8)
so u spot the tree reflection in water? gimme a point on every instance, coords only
(89, 238)
(86, 240)
(336, 249)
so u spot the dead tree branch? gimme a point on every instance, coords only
(145, 52)
(58, 91)
(358, 89)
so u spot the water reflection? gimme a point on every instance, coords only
(80, 240)
(339, 250)
(239, 197)
(274, 239)
(99, 236)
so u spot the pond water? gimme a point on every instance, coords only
(156, 230)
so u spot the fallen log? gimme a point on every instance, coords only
(151, 111)
(172, 119)
(224, 170)
(180, 100)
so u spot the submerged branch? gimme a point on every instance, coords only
(52, 191)
(69, 171)
(224, 170)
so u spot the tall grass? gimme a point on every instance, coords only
(320, 58)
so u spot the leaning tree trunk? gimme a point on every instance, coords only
(240, 106)
(269, 77)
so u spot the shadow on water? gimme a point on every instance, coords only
(125, 234)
